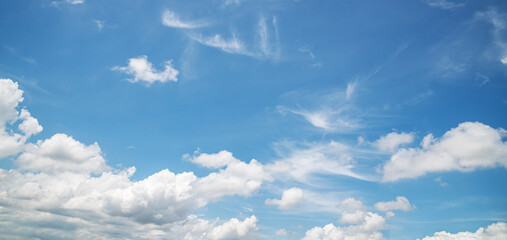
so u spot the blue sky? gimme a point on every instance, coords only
(239, 119)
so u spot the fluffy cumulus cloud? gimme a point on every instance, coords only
(495, 231)
(214, 160)
(234, 229)
(470, 146)
(401, 203)
(143, 71)
(359, 223)
(63, 188)
(290, 198)
(11, 141)
(392, 141)
(368, 228)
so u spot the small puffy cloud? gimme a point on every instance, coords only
(443, 4)
(62, 153)
(470, 146)
(281, 232)
(368, 228)
(29, 125)
(143, 71)
(170, 19)
(234, 229)
(213, 160)
(290, 198)
(495, 231)
(392, 141)
(401, 203)
(351, 204)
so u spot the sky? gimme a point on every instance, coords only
(241, 119)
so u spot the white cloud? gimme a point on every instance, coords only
(234, 229)
(11, 142)
(352, 211)
(214, 160)
(290, 198)
(100, 24)
(495, 231)
(62, 153)
(301, 162)
(499, 23)
(170, 19)
(233, 45)
(328, 110)
(68, 188)
(29, 126)
(72, 2)
(281, 232)
(10, 97)
(368, 229)
(443, 4)
(238, 178)
(351, 204)
(401, 203)
(268, 46)
(392, 141)
(350, 89)
(470, 146)
(143, 71)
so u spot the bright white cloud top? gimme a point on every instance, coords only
(468, 147)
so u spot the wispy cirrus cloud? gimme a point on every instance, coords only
(171, 19)
(444, 4)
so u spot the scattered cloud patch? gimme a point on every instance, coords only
(470, 146)
(233, 45)
(290, 198)
(171, 19)
(214, 160)
(495, 231)
(401, 203)
(444, 4)
(100, 24)
(369, 227)
(143, 71)
(391, 141)
(300, 162)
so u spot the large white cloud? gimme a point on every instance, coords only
(495, 231)
(143, 71)
(290, 198)
(63, 189)
(470, 146)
